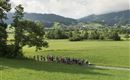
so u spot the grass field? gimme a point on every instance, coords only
(107, 53)
(110, 53)
(31, 70)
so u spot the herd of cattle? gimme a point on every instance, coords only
(58, 59)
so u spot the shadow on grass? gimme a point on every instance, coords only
(49, 67)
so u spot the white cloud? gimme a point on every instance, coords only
(72, 8)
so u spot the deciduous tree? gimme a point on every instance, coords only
(5, 7)
(26, 33)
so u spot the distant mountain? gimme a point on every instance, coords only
(122, 17)
(46, 19)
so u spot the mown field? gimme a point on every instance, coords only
(31, 70)
(106, 53)
(110, 53)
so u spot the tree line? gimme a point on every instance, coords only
(78, 34)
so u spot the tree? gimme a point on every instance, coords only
(85, 34)
(33, 34)
(94, 35)
(102, 36)
(76, 36)
(114, 36)
(70, 34)
(26, 33)
(57, 32)
(127, 36)
(5, 7)
(18, 16)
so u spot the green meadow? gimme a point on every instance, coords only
(12, 69)
(104, 53)
(110, 53)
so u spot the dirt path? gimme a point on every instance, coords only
(112, 68)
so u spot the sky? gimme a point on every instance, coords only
(72, 8)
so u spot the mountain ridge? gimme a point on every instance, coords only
(46, 19)
(121, 17)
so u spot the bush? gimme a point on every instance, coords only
(76, 38)
(115, 36)
(101, 37)
(127, 36)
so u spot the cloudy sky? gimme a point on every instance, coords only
(72, 8)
